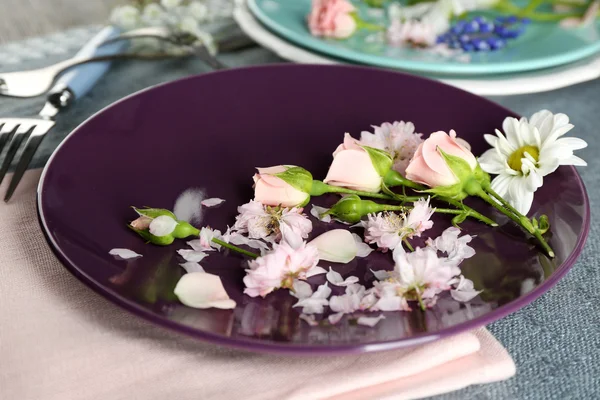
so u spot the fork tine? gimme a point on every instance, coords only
(6, 132)
(33, 142)
(36, 133)
(17, 138)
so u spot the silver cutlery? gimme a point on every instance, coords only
(70, 87)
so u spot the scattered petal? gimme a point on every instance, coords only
(309, 319)
(335, 318)
(336, 245)
(192, 267)
(124, 254)
(362, 249)
(214, 201)
(316, 271)
(301, 289)
(192, 255)
(202, 290)
(162, 226)
(370, 321)
(316, 303)
(336, 279)
(318, 212)
(382, 274)
(464, 290)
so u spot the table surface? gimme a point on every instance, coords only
(555, 341)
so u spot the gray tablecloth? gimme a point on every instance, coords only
(555, 341)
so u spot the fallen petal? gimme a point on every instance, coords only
(336, 245)
(316, 271)
(202, 290)
(318, 212)
(192, 267)
(336, 279)
(309, 319)
(162, 226)
(335, 318)
(370, 321)
(215, 201)
(362, 249)
(382, 274)
(192, 255)
(124, 254)
(301, 290)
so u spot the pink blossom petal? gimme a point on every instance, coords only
(215, 201)
(192, 267)
(202, 290)
(192, 255)
(370, 321)
(162, 226)
(336, 245)
(124, 254)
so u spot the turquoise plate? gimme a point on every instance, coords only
(543, 45)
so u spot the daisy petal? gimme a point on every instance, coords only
(124, 254)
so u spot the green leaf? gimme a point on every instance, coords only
(382, 160)
(461, 169)
(154, 212)
(298, 178)
(455, 192)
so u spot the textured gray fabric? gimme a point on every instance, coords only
(555, 341)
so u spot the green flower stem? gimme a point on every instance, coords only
(518, 218)
(531, 7)
(319, 188)
(235, 248)
(470, 212)
(408, 245)
(385, 207)
(509, 8)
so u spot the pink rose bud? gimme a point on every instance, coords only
(332, 18)
(282, 185)
(428, 165)
(353, 168)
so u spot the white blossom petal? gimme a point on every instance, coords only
(370, 321)
(192, 255)
(382, 275)
(336, 279)
(316, 303)
(301, 290)
(316, 271)
(309, 319)
(124, 254)
(212, 202)
(162, 225)
(362, 249)
(335, 318)
(202, 290)
(336, 245)
(191, 266)
(464, 290)
(318, 212)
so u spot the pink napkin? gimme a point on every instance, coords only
(60, 340)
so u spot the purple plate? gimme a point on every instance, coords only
(210, 131)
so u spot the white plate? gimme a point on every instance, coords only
(499, 85)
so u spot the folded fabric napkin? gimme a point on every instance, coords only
(60, 340)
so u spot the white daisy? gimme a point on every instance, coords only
(526, 152)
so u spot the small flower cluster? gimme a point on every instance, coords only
(418, 277)
(177, 15)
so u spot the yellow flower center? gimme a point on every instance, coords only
(514, 161)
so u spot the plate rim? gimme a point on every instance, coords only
(421, 66)
(257, 345)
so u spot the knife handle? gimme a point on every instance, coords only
(75, 83)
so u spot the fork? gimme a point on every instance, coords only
(36, 82)
(68, 88)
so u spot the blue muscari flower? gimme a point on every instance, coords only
(481, 34)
